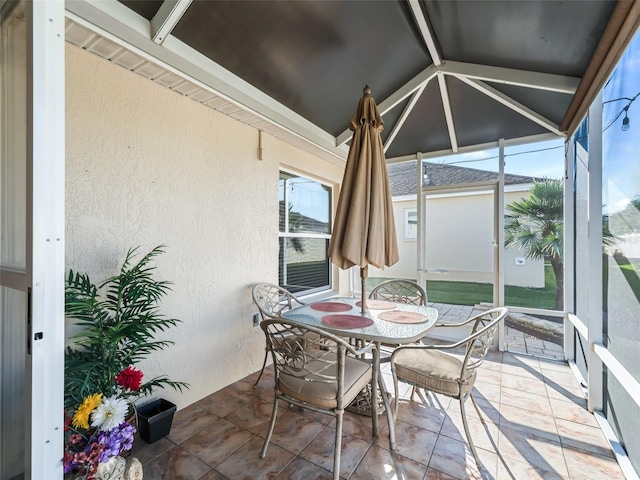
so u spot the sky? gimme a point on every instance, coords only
(541, 159)
(621, 149)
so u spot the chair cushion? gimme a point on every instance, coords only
(434, 370)
(323, 395)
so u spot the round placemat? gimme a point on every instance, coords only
(378, 304)
(398, 316)
(346, 321)
(331, 307)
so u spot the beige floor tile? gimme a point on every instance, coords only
(587, 466)
(216, 442)
(553, 377)
(176, 463)
(525, 400)
(425, 416)
(382, 464)
(214, 475)
(246, 464)
(567, 393)
(320, 451)
(486, 391)
(189, 421)
(292, 431)
(484, 435)
(490, 410)
(518, 360)
(540, 452)
(583, 437)
(489, 376)
(522, 370)
(539, 423)
(573, 412)
(556, 365)
(252, 416)
(224, 401)
(509, 469)
(523, 384)
(411, 441)
(300, 469)
(454, 458)
(433, 474)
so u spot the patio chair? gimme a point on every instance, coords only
(431, 367)
(400, 291)
(271, 301)
(313, 371)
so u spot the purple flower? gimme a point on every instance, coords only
(116, 440)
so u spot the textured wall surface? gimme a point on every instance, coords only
(459, 239)
(146, 166)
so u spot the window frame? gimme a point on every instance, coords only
(287, 234)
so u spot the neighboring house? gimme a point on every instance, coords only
(459, 225)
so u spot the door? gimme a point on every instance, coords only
(31, 239)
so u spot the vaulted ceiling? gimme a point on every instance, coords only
(448, 75)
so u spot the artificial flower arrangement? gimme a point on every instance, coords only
(119, 319)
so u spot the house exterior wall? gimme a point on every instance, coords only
(459, 242)
(147, 166)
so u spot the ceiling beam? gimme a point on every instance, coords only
(403, 117)
(512, 104)
(425, 31)
(167, 17)
(510, 76)
(117, 23)
(396, 97)
(448, 114)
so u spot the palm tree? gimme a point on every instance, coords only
(535, 225)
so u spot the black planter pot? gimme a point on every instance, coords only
(154, 420)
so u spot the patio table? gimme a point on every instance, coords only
(342, 316)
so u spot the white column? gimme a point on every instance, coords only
(594, 363)
(498, 251)
(569, 250)
(46, 157)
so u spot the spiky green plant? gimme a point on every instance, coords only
(119, 319)
(535, 224)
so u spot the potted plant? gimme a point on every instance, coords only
(119, 319)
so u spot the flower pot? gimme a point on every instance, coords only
(154, 420)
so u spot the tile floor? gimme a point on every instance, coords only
(537, 428)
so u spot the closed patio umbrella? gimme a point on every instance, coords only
(364, 231)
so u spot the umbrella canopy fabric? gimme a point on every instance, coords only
(364, 231)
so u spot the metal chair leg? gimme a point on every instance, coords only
(264, 364)
(473, 399)
(271, 425)
(468, 432)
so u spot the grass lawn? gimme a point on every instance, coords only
(471, 293)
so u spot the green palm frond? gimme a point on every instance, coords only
(119, 320)
(536, 226)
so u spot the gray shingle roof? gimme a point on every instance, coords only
(402, 176)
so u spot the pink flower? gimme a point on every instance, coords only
(130, 378)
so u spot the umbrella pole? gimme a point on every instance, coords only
(363, 278)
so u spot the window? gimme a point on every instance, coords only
(410, 223)
(305, 231)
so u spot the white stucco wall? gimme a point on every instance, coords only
(459, 242)
(147, 166)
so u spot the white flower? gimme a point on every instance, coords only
(110, 413)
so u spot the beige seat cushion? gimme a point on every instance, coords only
(323, 395)
(432, 369)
